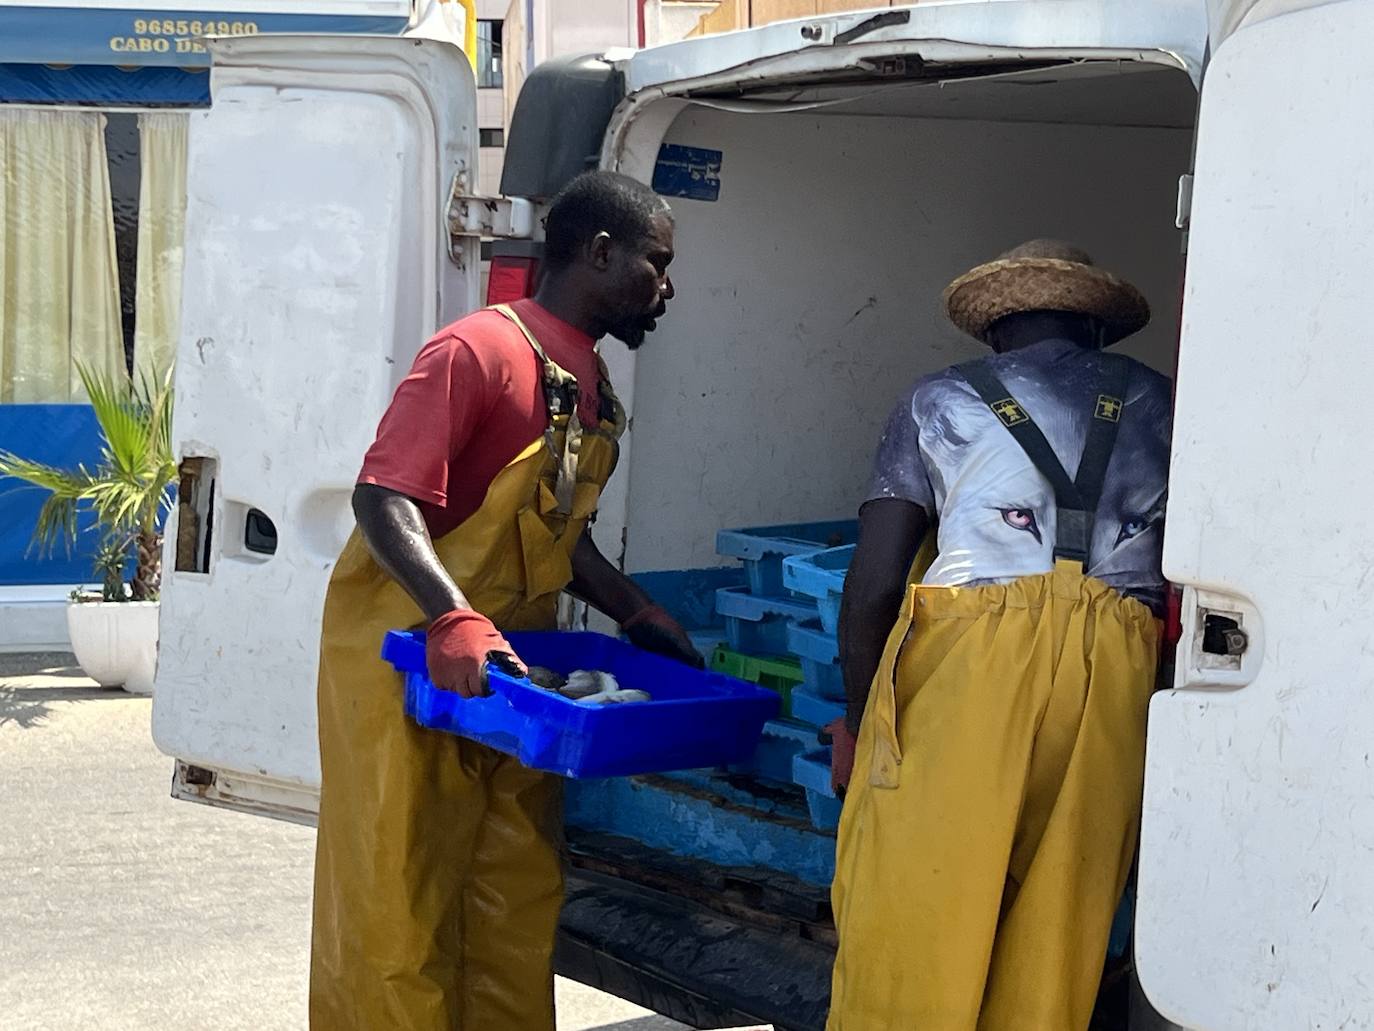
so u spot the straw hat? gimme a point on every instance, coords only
(1044, 275)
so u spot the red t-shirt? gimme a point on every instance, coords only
(473, 400)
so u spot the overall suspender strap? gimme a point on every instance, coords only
(1075, 499)
(560, 396)
(1107, 409)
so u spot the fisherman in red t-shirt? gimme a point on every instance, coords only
(438, 881)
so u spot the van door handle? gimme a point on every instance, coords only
(1222, 643)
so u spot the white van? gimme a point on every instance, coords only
(829, 176)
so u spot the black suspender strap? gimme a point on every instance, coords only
(1107, 409)
(1019, 423)
(1076, 500)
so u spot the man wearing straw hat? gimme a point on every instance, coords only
(999, 698)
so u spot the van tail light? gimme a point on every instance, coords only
(1173, 616)
(514, 270)
(511, 279)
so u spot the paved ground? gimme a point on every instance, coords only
(122, 910)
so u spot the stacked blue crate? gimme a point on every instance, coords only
(758, 624)
(811, 770)
(819, 653)
(782, 741)
(818, 576)
(810, 707)
(818, 700)
(758, 616)
(762, 549)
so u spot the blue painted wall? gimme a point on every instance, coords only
(62, 435)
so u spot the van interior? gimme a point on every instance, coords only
(807, 303)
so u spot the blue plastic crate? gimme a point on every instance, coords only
(820, 657)
(757, 625)
(820, 575)
(809, 705)
(825, 678)
(780, 743)
(811, 770)
(696, 718)
(807, 639)
(705, 641)
(763, 548)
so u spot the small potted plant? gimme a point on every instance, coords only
(114, 630)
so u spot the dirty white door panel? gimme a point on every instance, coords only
(316, 265)
(1257, 886)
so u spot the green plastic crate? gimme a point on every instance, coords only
(774, 673)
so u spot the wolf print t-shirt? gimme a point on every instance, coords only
(945, 450)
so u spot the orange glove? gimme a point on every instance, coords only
(654, 630)
(457, 648)
(841, 755)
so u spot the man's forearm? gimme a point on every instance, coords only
(864, 628)
(890, 531)
(399, 541)
(602, 586)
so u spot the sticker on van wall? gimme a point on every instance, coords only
(687, 172)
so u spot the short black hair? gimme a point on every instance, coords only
(597, 202)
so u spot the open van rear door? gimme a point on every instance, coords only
(1256, 886)
(318, 259)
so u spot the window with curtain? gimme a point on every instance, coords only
(161, 230)
(92, 212)
(59, 287)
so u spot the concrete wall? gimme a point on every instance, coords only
(491, 111)
(730, 15)
(537, 30)
(491, 114)
(667, 21)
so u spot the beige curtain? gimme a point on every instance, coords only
(161, 231)
(59, 288)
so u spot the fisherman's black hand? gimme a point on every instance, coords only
(671, 642)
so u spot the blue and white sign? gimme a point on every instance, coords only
(100, 34)
(691, 172)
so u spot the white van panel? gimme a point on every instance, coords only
(808, 296)
(958, 30)
(1256, 894)
(316, 265)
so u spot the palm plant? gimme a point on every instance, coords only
(129, 491)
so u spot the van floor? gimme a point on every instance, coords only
(716, 946)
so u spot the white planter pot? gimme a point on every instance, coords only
(115, 642)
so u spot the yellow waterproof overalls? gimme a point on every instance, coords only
(992, 815)
(438, 879)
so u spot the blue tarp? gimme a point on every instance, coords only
(61, 435)
(104, 86)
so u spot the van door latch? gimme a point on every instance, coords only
(1222, 635)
